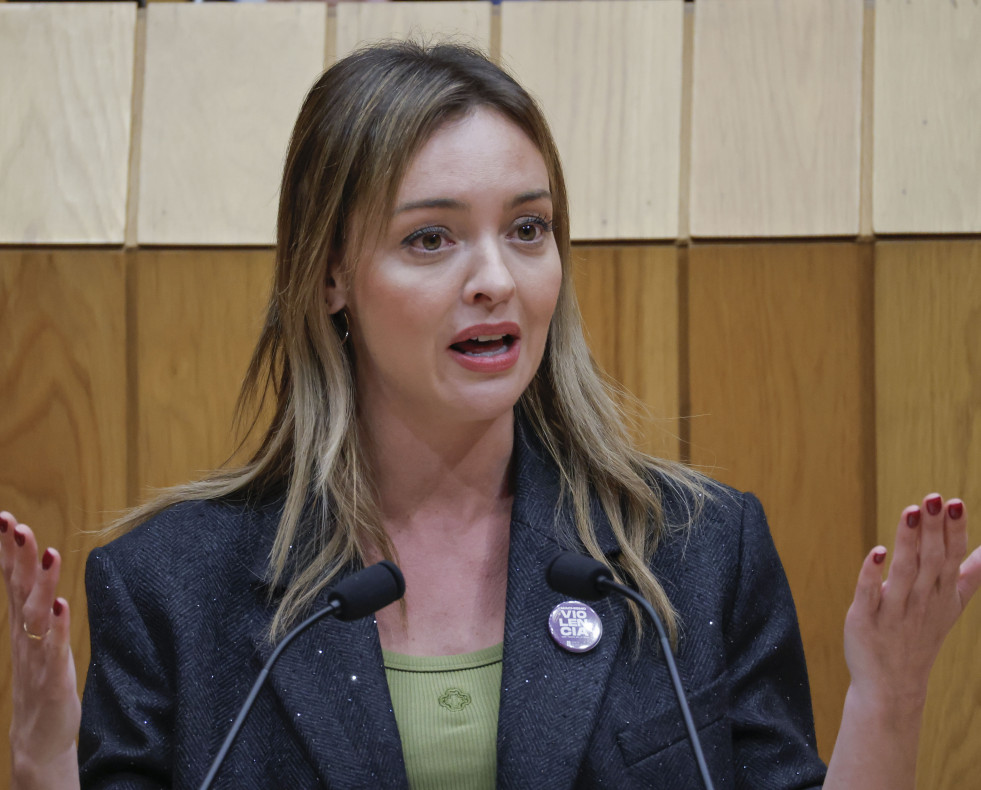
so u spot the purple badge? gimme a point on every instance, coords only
(575, 626)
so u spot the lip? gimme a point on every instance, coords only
(489, 364)
(502, 328)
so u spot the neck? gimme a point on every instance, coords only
(428, 474)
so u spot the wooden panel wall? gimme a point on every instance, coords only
(781, 398)
(465, 22)
(63, 451)
(609, 79)
(837, 380)
(776, 118)
(636, 343)
(66, 80)
(777, 113)
(928, 431)
(212, 72)
(198, 315)
(927, 130)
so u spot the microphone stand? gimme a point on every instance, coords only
(367, 591)
(584, 577)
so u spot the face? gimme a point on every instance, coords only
(450, 305)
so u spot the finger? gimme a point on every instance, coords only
(7, 524)
(37, 607)
(868, 591)
(970, 577)
(933, 547)
(902, 569)
(25, 566)
(60, 636)
(955, 527)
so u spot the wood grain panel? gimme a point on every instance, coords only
(629, 302)
(62, 425)
(781, 375)
(223, 85)
(928, 435)
(198, 316)
(66, 81)
(927, 132)
(608, 76)
(464, 22)
(776, 118)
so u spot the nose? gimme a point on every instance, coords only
(489, 279)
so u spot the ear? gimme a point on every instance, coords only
(335, 291)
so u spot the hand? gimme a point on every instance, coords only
(46, 707)
(894, 629)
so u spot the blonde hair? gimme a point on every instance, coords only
(357, 131)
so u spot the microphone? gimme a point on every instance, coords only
(589, 580)
(363, 593)
(360, 594)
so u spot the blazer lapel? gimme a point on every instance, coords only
(549, 696)
(331, 686)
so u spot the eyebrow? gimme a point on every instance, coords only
(529, 197)
(451, 203)
(432, 203)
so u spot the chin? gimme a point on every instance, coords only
(486, 407)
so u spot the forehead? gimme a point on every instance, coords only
(481, 151)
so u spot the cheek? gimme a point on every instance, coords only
(545, 292)
(389, 308)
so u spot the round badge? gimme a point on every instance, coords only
(575, 626)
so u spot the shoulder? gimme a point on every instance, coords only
(700, 508)
(189, 543)
(714, 540)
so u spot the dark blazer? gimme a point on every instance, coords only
(179, 610)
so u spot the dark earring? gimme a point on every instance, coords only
(347, 326)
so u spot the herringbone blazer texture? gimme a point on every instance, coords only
(179, 609)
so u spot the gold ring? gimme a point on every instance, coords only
(35, 637)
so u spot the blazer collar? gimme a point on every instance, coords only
(331, 688)
(549, 696)
(331, 680)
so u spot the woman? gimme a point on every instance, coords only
(436, 405)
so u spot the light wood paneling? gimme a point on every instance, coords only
(776, 118)
(928, 420)
(198, 316)
(608, 76)
(223, 86)
(66, 80)
(463, 22)
(927, 117)
(62, 424)
(781, 375)
(629, 301)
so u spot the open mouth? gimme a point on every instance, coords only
(484, 345)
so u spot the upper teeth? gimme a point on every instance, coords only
(487, 338)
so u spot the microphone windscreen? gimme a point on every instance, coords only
(577, 575)
(368, 590)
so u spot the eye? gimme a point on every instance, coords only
(532, 229)
(528, 232)
(427, 240)
(431, 241)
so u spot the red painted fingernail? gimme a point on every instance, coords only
(913, 518)
(933, 505)
(57, 608)
(3, 525)
(879, 557)
(19, 537)
(955, 510)
(47, 559)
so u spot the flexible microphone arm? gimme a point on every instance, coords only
(585, 578)
(361, 594)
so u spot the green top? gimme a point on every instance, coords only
(446, 711)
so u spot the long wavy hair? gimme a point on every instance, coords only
(358, 129)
